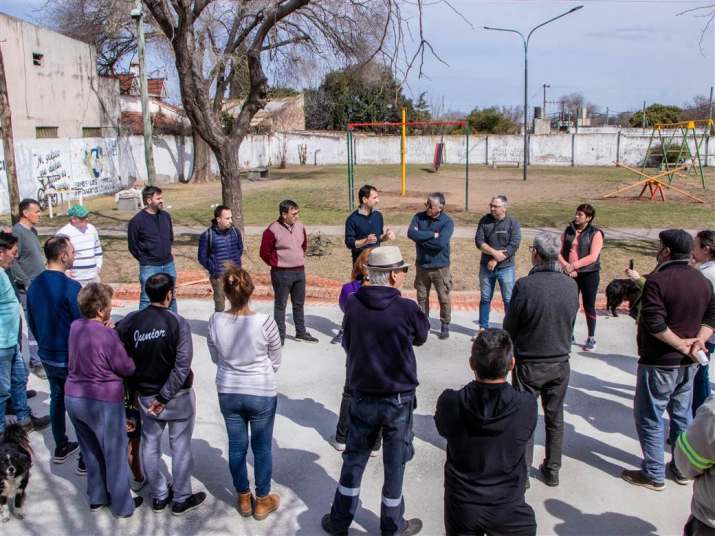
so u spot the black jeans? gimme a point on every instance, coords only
(516, 519)
(288, 283)
(550, 382)
(370, 415)
(588, 288)
(341, 431)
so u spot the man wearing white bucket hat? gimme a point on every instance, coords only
(381, 327)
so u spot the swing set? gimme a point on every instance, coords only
(439, 158)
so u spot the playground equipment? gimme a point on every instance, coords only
(679, 146)
(403, 152)
(654, 185)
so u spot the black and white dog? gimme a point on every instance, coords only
(15, 463)
(620, 290)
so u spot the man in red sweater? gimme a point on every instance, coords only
(283, 249)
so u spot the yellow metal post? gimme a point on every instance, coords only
(403, 160)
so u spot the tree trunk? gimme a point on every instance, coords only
(8, 145)
(201, 168)
(229, 166)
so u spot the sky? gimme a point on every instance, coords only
(617, 53)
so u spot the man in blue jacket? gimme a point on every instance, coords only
(150, 235)
(381, 327)
(219, 244)
(431, 231)
(51, 308)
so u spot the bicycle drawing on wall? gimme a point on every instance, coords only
(47, 193)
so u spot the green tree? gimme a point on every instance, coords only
(358, 94)
(656, 113)
(492, 121)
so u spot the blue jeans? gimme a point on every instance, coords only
(260, 411)
(701, 384)
(13, 385)
(100, 428)
(145, 272)
(487, 282)
(659, 390)
(57, 376)
(369, 415)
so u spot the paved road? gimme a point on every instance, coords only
(460, 231)
(591, 500)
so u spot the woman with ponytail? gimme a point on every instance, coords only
(246, 347)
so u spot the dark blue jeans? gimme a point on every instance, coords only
(369, 415)
(659, 390)
(701, 384)
(57, 376)
(260, 411)
(145, 272)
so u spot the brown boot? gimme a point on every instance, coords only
(245, 504)
(266, 505)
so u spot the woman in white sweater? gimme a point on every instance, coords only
(246, 346)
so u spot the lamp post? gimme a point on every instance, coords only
(525, 40)
(137, 15)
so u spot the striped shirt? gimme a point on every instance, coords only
(88, 251)
(247, 350)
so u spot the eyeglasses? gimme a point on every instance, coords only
(495, 206)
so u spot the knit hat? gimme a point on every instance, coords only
(548, 246)
(77, 211)
(679, 242)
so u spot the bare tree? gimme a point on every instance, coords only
(707, 13)
(222, 45)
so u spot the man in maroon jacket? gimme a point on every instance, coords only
(677, 311)
(283, 249)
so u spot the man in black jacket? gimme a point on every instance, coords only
(677, 312)
(381, 328)
(149, 237)
(159, 342)
(487, 425)
(540, 321)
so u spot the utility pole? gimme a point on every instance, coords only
(543, 110)
(8, 144)
(138, 16)
(643, 116)
(710, 107)
(606, 115)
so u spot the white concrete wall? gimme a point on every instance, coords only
(63, 92)
(103, 165)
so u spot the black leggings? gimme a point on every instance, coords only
(588, 288)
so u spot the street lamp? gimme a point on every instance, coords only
(526, 74)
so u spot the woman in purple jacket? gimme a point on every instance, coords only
(359, 276)
(94, 397)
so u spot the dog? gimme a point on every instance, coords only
(620, 290)
(15, 464)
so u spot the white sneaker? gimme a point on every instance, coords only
(374, 453)
(337, 445)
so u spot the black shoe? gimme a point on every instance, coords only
(36, 423)
(31, 393)
(444, 332)
(677, 475)
(551, 478)
(81, 467)
(159, 504)
(97, 507)
(192, 503)
(338, 338)
(328, 527)
(65, 451)
(413, 526)
(138, 501)
(305, 337)
(39, 371)
(637, 478)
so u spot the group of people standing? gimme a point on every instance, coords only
(123, 385)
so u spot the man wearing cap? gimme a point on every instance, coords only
(87, 265)
(381, 328)
(540, 321)
(677, 317)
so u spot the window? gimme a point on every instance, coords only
(91, 132)
(37, 59)
(46, 132)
